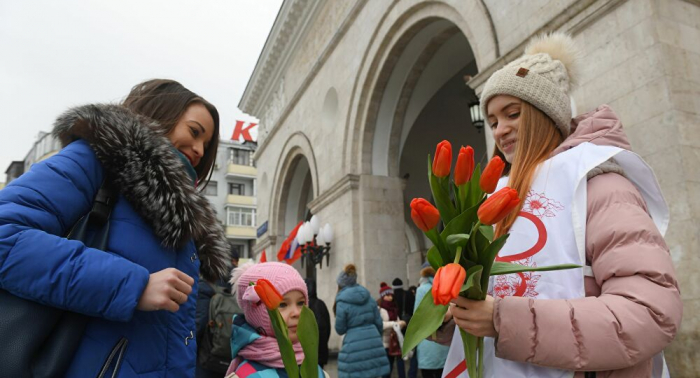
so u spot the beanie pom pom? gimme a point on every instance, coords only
(236, 275)
(350, 270)
(560, 46)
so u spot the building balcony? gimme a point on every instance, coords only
(241, 170)
(233, 199)
(240, 232)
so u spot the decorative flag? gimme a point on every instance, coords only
(263, 257)
(290, 251)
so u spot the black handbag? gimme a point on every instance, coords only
(40, 341)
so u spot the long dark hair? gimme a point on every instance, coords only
(165, 101)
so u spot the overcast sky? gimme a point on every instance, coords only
(55, 54)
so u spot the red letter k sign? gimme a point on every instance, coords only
(239, 131)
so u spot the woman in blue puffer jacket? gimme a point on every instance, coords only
(155, 149)
(362, 354)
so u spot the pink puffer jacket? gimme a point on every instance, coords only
(632, 307)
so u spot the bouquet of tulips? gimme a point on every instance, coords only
(464, 252)
(307, 332)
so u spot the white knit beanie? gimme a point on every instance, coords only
(543, 77)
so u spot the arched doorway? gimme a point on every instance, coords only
(422, 99)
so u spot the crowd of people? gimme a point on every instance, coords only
(157, 149)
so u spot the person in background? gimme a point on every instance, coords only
(206, 291)
(399, 297)
(410, 303)
(431, 355)
(323, 319)
(389, 312)
(362, 354)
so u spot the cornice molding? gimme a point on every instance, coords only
(293, 19)
(276, 102)
(347, 183)
(571, 20)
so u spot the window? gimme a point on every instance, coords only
(239, 157)
(237, 250)
(240, 216)
(211, 189)
(237, 189)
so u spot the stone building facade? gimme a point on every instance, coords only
(353, 95)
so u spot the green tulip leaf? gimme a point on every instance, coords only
(441, 194)
(441, 246)
(307, 331)
(457, 196)
(288, 355)
(424, 322)
(487, 231)
(500, 267)
(475, 192)
(434, 258)
(457, 240)
(472, 287)
(461, 224)
(488, 257)
(482, 244)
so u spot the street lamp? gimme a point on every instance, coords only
(476, 115)
(315, 242)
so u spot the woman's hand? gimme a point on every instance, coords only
(402, 324)
(166, 290)
(475, 317)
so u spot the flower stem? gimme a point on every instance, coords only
(472, 238)
(458, 255)
(480, 348)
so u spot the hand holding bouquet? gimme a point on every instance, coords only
(464, 252)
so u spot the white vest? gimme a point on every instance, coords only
(550, 230)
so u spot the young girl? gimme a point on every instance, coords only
(585, 199)
(155, 148)
(389, 312)
(253, 344)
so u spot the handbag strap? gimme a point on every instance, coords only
(118, 353)
(97, 220)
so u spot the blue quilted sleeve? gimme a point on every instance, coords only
(341, 320)
(37, 263)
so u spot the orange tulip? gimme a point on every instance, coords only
(424, 214)
(465, 165)
(268, 294)
(442, 162)
(492, 173)
(498, 205)
(447, 283)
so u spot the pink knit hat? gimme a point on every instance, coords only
(282, 276)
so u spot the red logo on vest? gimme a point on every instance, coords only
(240, 131)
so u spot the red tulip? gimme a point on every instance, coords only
(424, 214)
(492, 173)
(268, 294)
(442, 162)
(447, 283)
(465, 165)
(498, 205)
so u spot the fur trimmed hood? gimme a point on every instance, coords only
(145, 168)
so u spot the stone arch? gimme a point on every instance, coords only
(296, 175)
(401, 23)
